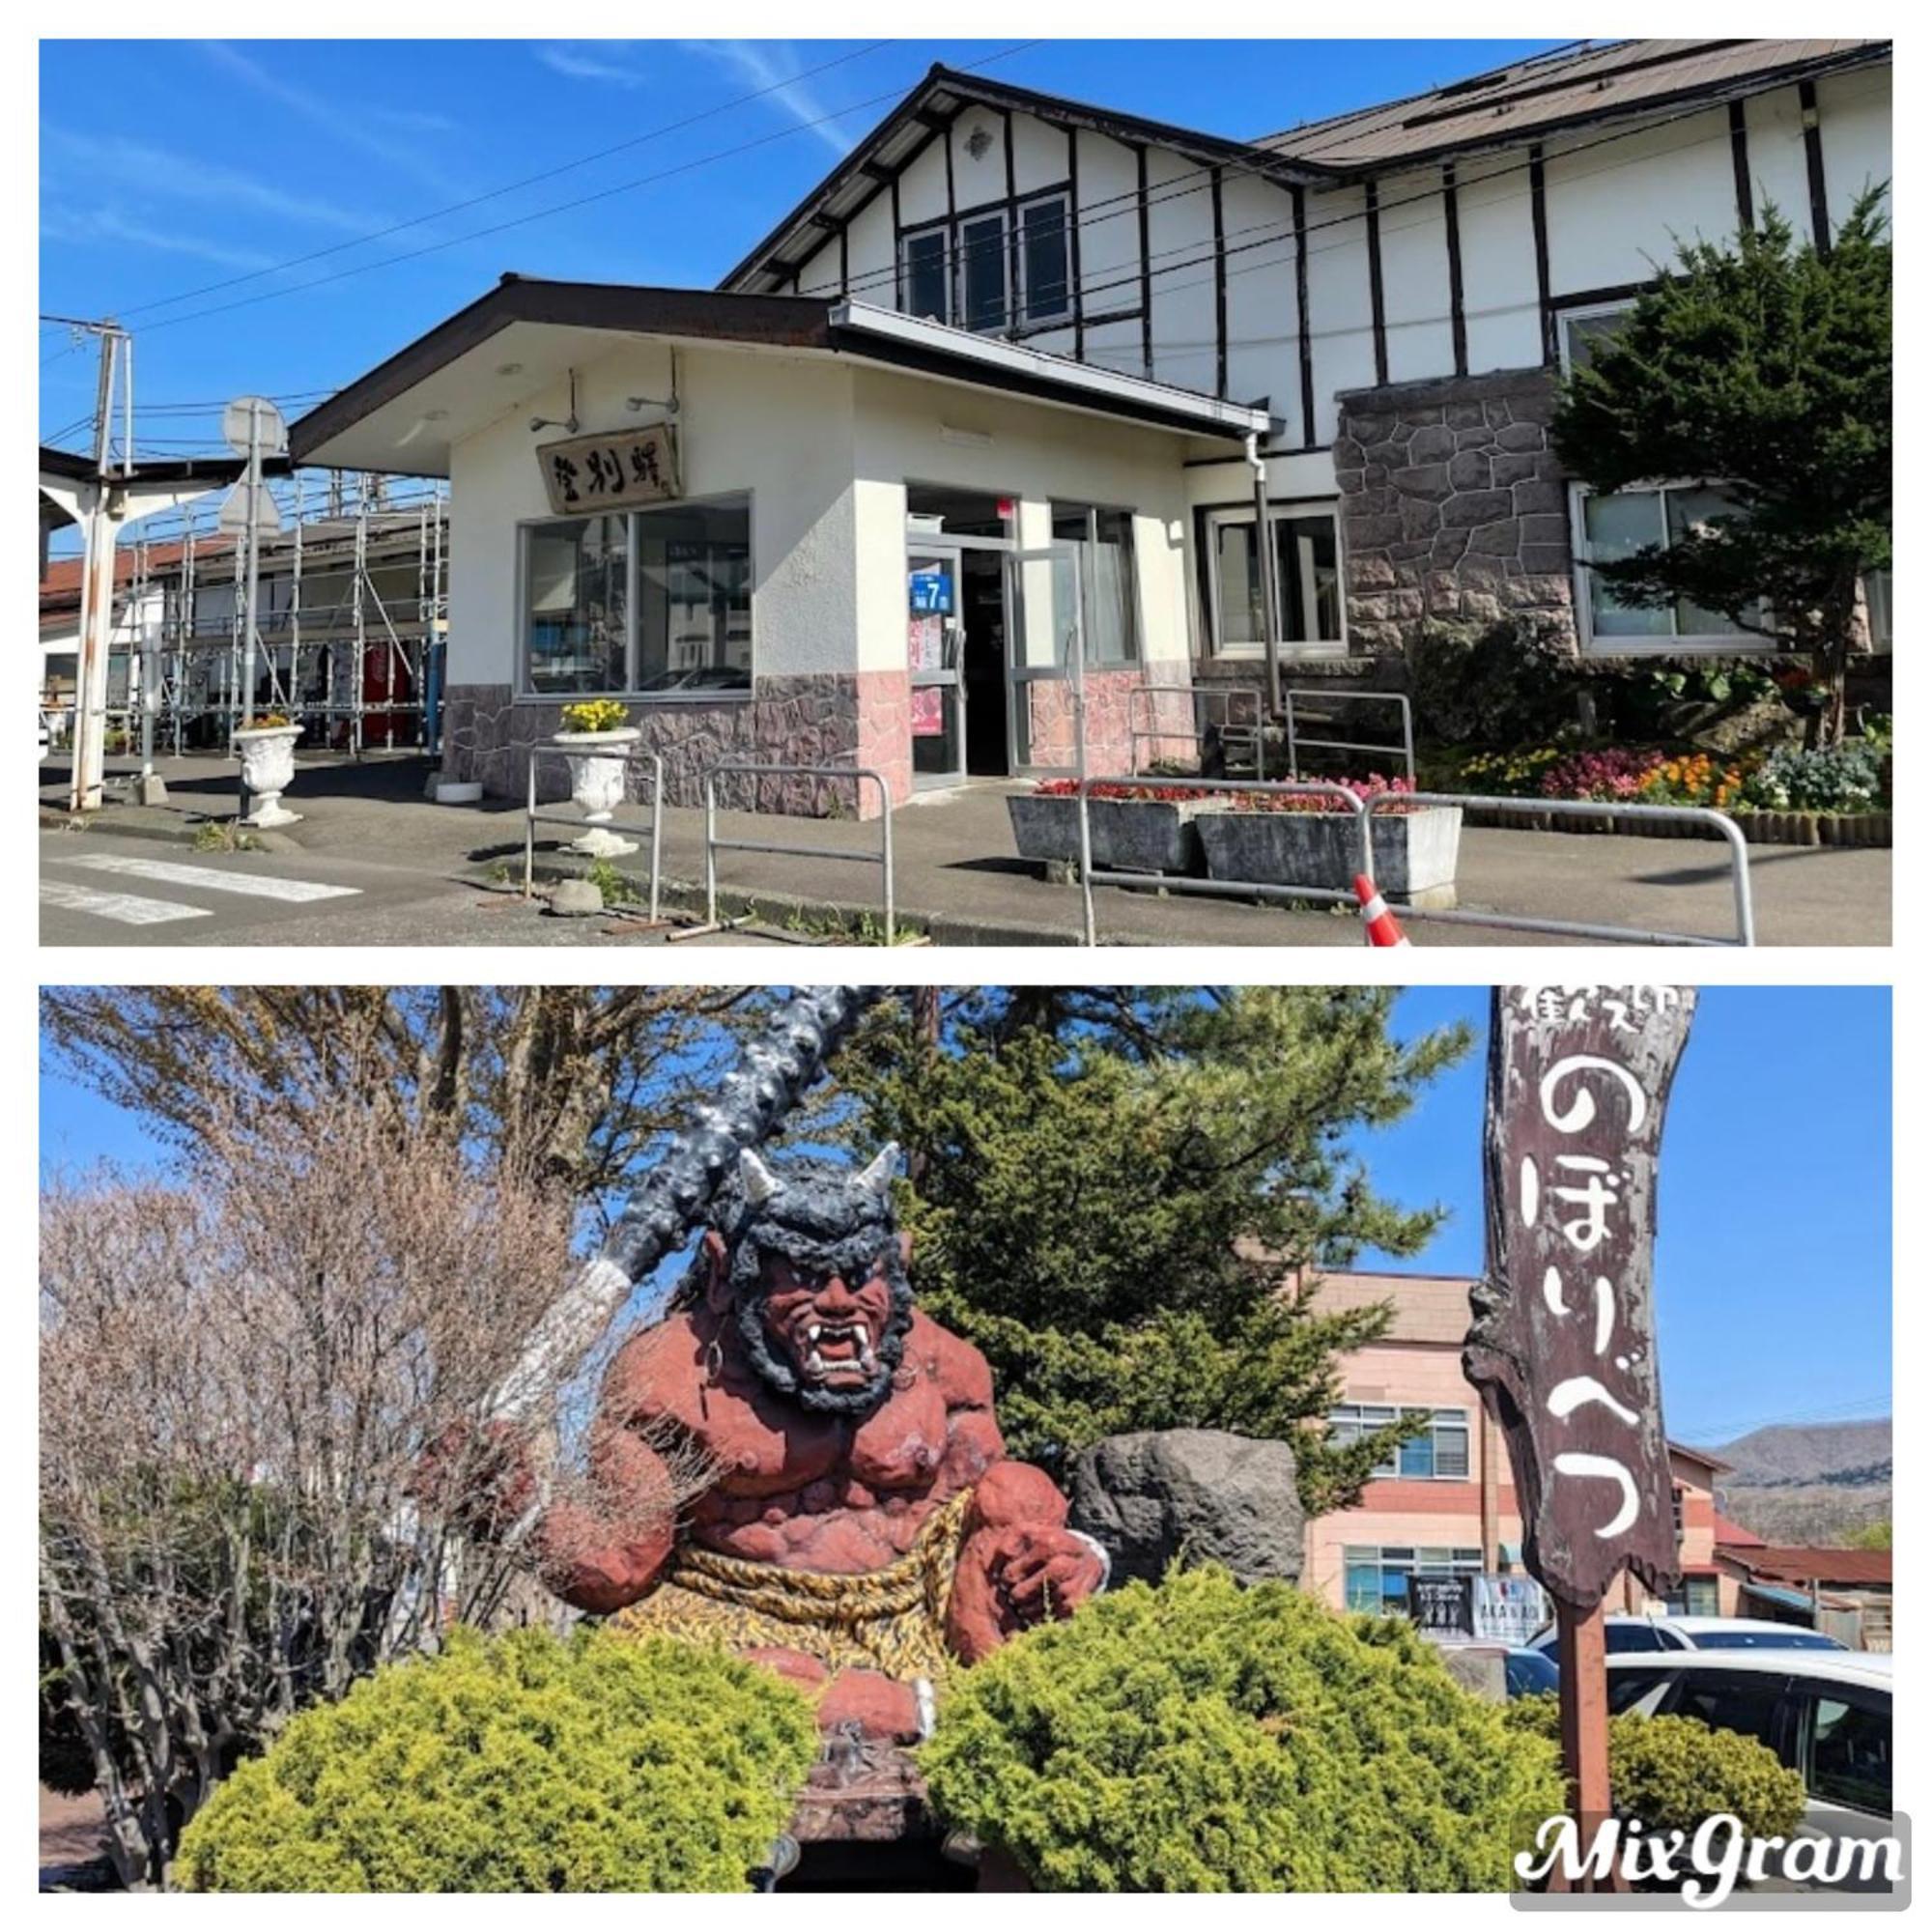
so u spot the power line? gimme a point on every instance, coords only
(567, 206)
(510, 188)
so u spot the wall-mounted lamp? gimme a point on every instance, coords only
(569, 426)
(637, 405)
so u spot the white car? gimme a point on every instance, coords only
(1826, 1712)
(1624, 1635)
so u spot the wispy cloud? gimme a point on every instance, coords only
(85, 225)
(768, 67)
(110, 163)
(772, 65)
(345, 120)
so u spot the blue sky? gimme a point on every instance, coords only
(1774, 1260)
(257, 154)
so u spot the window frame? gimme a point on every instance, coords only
(1406, 1560)
(1715, 643)
(1214, 516)
(1584, 312)
(1022, 315)
(948, 259)
(1003, 213)
(523, 691)
(1451, 1418)
(1135, 656)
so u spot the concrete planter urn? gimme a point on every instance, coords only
(597, 785)
(1414, 852)
(1128, 834)
(268, 754)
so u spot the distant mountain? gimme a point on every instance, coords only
(1811, 1483)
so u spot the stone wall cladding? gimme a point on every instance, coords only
(1453, 506)
(817, 719)
(1111, 717)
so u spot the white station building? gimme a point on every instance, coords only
(1008, 392)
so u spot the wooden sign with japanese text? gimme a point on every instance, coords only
(1563, 1345)
(611, 472)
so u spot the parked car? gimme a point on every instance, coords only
(1623, 1635)
(1528, 1673)
(1827, 1713)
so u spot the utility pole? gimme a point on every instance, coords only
(253, 428)
(105, 506)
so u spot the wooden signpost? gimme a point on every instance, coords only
(1563, 1344)
(610, 471)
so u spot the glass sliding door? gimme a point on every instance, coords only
(933, 635)
(1048, 656)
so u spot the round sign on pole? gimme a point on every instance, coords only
(267, 418)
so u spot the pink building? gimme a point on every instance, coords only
(1446, 1505)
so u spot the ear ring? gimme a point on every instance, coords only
(714, 1363)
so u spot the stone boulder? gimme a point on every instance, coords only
(1199, 1495)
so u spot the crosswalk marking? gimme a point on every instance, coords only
(126, 907)
(256, 885)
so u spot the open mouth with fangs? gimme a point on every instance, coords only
(836, 1351)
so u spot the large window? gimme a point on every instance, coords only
(1106, 538)
(1307, 578)
(963, 272)
(1375, 1578)
(1440, 1451)
(1618, 527)
(655, 602)
(576, 591)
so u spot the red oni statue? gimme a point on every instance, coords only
(864, 1527)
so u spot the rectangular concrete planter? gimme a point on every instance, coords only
(1414, 852)
(1128, 834)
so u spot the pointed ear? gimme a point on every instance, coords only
(718, 1289)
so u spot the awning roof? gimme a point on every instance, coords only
(490, 358)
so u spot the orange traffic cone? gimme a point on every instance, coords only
(1376, 915)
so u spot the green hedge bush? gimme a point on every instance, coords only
(519, 1764)
(1671, 1773)
(1198, 1737)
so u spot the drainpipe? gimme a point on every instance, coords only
(1270, 590)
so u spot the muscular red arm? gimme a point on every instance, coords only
(607, 1548)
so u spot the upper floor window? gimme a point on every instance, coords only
(992, 271)
(1622, 523)
(1440, 1450)
(1579, 330)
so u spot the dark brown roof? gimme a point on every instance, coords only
(1795, 1563)
(1569, 88)
(931, 104)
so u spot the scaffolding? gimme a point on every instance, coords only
(351, 624)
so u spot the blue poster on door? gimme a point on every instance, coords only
(930, 590)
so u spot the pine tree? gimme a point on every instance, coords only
(1764, 370)
(1114, 1184)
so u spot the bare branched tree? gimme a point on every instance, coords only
(244, 1377)
(570, 1085)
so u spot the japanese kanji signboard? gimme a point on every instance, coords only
(611, 472)
(1563, 1344)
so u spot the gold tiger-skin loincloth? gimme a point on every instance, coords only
(892, 1620)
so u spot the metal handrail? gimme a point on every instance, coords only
(1396, 698)
(1261, 889)
(1722, 823)
(861, 774)
(1194, 693)
(532, 818)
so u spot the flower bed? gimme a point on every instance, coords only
(1839, 796)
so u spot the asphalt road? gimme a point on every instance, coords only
(97, 889)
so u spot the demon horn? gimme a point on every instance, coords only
(759, 1182)
(879, 1176)
(773, 1072)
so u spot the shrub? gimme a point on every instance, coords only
(1198, 1737)
(1846, 777)
(1671, 1773)
(1511, 682)
(520, 1763)
(595, 714)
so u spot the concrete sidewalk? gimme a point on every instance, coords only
(957, 877)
